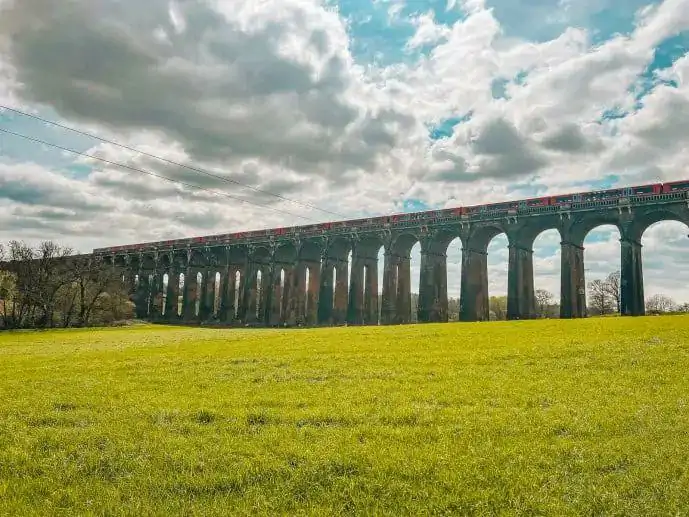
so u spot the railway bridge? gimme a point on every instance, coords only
(302, 277)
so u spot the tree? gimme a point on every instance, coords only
(498, 307)
(611, 286)
(659, 303)
(599, 297)
(47, 285)
(683, 307)
(544, 299)
(453, 309)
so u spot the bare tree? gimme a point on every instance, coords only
(544, 299)
(96, 281)
(659, 303)
(611, 285)
(683, 307)
(47, 285)
(599, 297)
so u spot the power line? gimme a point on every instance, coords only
(143, 171)
(166, 160)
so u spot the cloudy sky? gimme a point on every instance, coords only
(352, 108)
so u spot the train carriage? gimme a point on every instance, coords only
(676, 186)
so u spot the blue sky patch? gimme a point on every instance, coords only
(16, 149)
(414, 205)
(446, 128)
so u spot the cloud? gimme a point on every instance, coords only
(229, 82)
(282, 96)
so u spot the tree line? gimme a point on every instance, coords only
(604, 298)
(47, 286)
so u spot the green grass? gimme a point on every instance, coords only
(584, 417)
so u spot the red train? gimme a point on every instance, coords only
(507, 207)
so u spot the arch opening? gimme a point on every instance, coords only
(197, 293)
(259, 293)
(381, 276)
(180, 296)
(334, 284)
(602, 270)
(454, 278)
(414, 276)
(665, 258)
(281, 296)
(237, 285)
(150, 293)
(498, 258)
(547, 268)
(217, 293)
(163, 303)
(307, 288)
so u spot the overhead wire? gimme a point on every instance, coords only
(153, 174)
(167, 160)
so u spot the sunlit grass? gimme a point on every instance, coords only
(581, 417)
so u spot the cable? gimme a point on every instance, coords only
(136, 169)
(171, 162)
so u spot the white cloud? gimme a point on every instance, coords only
(427, 31)
(269, 94)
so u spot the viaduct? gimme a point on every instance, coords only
(263, 276)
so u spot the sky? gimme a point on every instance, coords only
(350, 107)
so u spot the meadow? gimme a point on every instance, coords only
(586, 417)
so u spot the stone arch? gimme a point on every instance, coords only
(579, 228)
(197, 258)
(256, 293)
(644, 219)
(474, 296)
(480, 236)
(528, 233)
(333, 298)
(403, 242)
(164, 261)
(397, 282)
(179, 260)
(148, 261)
(284, 263)
(134, 261)
(432, 288)
(218, 255)
(363, 286)
(437, 241)
(307, 281)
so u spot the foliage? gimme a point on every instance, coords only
(577, 417)
(497, 305)
(48, 286)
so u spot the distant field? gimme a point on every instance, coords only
(584, 417)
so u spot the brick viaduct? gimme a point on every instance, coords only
(279, 265)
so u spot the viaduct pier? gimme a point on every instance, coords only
(302, 275)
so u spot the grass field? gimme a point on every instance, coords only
(584, 417)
